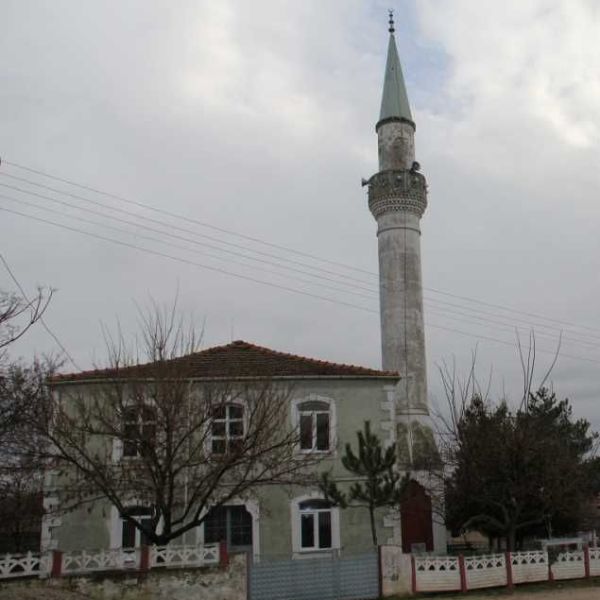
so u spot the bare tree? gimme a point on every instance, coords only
(18, 315)
(22, 389)
(153, 434)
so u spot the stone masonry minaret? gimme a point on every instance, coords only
(397, 200)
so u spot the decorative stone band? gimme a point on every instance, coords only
(401, 190)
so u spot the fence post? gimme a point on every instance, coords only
(144, 558)
(223, 554)
(509, 573)
(56, 567)
(463, 573)
(550, 573)
(414, 573)
(586, 560)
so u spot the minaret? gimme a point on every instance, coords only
(397, 200)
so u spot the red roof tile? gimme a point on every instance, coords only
(238, 359)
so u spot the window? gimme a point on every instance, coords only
(227, 428)
(314, 423)
(131, 536)
(315, 525)
(229, 524)
(139, 427)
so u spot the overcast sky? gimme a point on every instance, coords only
(258, 117)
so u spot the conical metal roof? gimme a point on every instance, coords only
(394, 102)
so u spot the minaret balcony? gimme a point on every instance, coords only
(397, 190)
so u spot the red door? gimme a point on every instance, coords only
(415, 518)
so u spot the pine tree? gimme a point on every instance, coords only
(380, 484)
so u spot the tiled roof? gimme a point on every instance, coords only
(238, 359)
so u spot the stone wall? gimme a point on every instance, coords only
(228, 583)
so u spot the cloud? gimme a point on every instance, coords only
(259, 117)
(532, 59)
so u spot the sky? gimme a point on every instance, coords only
(253, 122)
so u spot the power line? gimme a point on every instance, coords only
(371, 291)
(146, 227)
(42, 321)
(187, 261)
(184, 218)
(273, 285)
(178, 246)
(163, 224)
(444, 311)
(264, 242)
(276, 265)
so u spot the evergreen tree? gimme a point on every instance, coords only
(379, 483)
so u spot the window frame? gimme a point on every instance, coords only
(297, 414)
(116, 520)
(253, 507)
(296, 516)
(227, 420)
(226, 514)
(138, 535)
(141, 423)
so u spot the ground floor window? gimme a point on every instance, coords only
(315, 525)
(131, 536)
(229, 524)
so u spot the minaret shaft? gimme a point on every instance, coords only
(397, 200)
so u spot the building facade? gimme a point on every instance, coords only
(329, 404)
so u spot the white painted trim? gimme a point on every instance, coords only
(297, 550)
(295, 418)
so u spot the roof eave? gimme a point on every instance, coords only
(383, 376)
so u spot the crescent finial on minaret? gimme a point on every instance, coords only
(391, 21)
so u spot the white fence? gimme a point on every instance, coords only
(59, 564)
(184, 556)
(437, 574)
(76, 563)
(527, 567)
(594, 561)
(24, 565)
(485, 571)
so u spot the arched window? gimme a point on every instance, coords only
(231, 524)
(227, 428)
(314, 419)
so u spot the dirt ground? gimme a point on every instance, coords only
(566, 593)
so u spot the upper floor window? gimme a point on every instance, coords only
(314, 421)
(139, 428)
(227, 428)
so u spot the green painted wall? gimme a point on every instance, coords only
(355, 401)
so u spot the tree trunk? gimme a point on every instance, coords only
(373, 530)
(511, 538)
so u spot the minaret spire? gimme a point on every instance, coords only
(394, 101)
